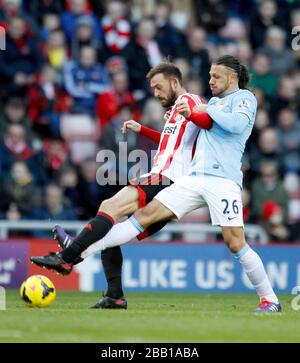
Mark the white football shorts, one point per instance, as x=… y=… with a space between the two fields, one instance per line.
x=222 y=196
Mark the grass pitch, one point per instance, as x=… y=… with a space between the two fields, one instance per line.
x=151 y=317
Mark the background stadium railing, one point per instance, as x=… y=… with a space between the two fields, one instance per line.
x=253 y=232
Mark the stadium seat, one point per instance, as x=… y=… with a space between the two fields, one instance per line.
x=82 y=134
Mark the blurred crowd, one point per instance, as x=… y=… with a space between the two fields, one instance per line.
x=73 y=70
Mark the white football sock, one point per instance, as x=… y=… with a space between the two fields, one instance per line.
x=256 y=273
x=119 y=234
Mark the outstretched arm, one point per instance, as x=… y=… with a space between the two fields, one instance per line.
x=143 y=130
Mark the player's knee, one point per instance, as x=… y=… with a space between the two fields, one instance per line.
x=145 y=216
x=109 y=206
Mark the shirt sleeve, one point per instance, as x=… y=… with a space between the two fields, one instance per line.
x=241 y=114
x=245 y=103
x=151 y=134
x=202 y=119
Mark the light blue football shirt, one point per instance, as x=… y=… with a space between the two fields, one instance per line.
x=219 y=150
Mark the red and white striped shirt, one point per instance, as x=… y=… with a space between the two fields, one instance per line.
x=177 y=141
x=117 y=34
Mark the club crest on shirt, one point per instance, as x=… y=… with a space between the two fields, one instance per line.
x=245 y=104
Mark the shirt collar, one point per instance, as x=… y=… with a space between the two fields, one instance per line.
x=229 y=93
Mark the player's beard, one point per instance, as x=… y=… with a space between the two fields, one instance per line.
x=172 y=96
x=223 y=90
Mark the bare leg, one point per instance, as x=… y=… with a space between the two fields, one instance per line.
x=152 y=213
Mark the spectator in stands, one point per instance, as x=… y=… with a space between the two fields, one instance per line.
x=274 y=223
x=289 y=139
x=15 y=147
x=261 y=20
x=38 y=8
x=262 y=122
x=167 y=36
x=142 y=53
x=211 y=14
x=85 y=80
x=46 y=101
x=233 y=31
x=295 y=17
x=185 y=67
x=55 y=49
x=194 y=85
x=116 y=27
x=15 y=143
x=12 y=214
x=13 y=8
x=196 y=54
x=56 y=156
x=14 y=112
x=68 y=180
x=50 y=23
x=267 y=149
x=244 y=52
x=55 y=207
x=83 y=36
x=21 y=59
x=269 y=202
x=286 y=96
x=109 y=103
x=19 y=190
x=90 y=193
x=78 y=8
x=116 y=64
x=282 y=57
x=262 y=76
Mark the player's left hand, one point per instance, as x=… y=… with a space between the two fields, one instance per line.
x=183 y=108
x=200 y=108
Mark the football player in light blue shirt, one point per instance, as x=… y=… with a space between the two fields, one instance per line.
x=215 y=177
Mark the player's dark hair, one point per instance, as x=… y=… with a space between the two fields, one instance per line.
x=168 y=69
x=233 y=63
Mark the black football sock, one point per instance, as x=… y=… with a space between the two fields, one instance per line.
x=91 y=233
x=112 y=260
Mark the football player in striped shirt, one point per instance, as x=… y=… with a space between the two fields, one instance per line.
x=173 y=158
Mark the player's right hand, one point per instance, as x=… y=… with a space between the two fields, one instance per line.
x=183 y=107
x=131 y=125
